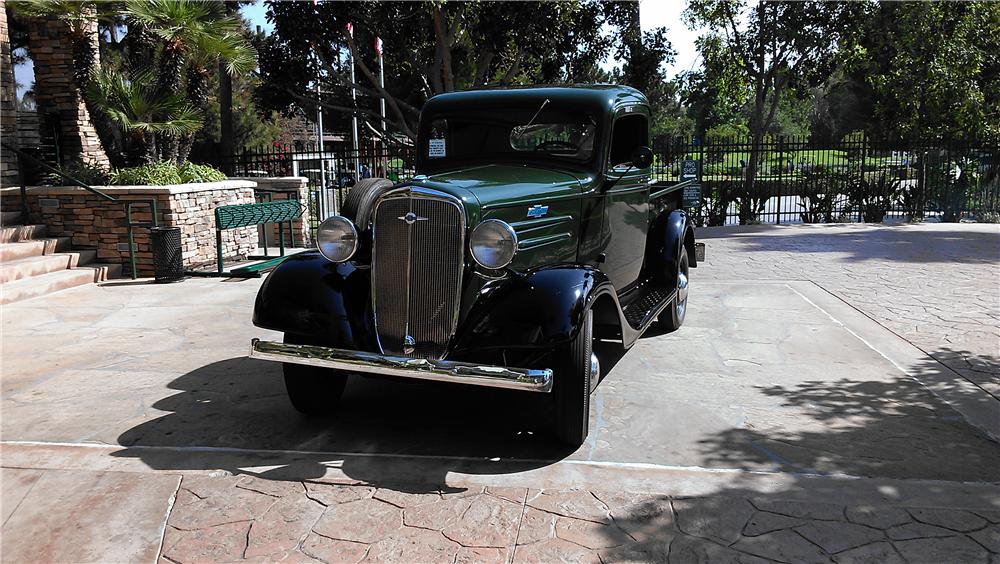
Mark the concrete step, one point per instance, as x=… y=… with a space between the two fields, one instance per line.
x=45 y=284
x=33 y=248
x=36 y=266
x=14 y=233
x=10 y=218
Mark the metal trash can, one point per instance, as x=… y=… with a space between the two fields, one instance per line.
x=168 y=263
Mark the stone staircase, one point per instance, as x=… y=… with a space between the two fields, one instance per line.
x=32 y=264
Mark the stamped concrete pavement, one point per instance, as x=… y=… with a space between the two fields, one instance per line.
x=937 y=285
x=780 y=424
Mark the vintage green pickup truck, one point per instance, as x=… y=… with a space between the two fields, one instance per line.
x=532 y=229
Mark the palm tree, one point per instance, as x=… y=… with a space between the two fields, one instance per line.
x=192 y=31
x=140 y=112
x=237 y=58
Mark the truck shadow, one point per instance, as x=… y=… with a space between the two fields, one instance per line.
x=229 y=413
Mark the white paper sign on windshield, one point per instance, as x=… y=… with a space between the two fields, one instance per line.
x=435 y=148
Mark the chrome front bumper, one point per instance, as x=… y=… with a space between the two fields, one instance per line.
x=425 y=369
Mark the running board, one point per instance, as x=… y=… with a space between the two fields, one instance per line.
x=652 y=299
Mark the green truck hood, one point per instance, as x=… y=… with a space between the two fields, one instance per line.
x=497 y=185
x=542 y=205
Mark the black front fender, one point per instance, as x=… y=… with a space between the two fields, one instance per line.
x=309 y=295
x=539 y=309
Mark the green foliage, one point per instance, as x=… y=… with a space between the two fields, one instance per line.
x=761 y=52
x=933 y=68
x=252 y=127
x=133 y=104
x=90 y=174
x=165 y=173
x=433 y=47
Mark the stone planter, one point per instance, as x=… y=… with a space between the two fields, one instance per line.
x=92 y=222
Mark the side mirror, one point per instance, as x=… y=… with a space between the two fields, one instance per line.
x=642 y=157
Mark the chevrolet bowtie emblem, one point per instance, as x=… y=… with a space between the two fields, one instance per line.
x=410 y=218
x=538 y=210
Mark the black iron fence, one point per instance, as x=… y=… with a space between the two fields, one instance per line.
x=331 y=172
x=796 y=181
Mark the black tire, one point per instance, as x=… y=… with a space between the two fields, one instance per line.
x=313 y=391
x=672 y=317
x=361 y=199
x=571 y=387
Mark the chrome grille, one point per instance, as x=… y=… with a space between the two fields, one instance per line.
x=417 y=272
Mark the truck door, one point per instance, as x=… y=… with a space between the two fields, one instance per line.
x=626 y=218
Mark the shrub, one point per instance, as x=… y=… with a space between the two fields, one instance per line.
x=166 y=173
x=90 y=174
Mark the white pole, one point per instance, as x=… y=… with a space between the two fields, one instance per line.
x=354 y=118
x=322 y=159
x=381 y=81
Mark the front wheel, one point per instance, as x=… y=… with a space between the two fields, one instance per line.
x=312 y=390
x=572 y=385
x=672 y=317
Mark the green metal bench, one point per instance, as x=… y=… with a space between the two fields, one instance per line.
x=248 y=215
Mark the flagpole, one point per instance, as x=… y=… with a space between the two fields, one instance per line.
x=381 y=81
x=354 y=117
x=381 y=78
x=322 y=155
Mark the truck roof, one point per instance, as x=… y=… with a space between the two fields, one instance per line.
x=595 y=97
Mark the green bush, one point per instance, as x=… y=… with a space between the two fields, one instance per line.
x=90 y=174
x=165 y=173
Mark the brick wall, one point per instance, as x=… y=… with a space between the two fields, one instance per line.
x=56 y=94
x=98 y=224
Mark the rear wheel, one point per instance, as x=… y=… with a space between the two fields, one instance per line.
x=672 y=317
x=312 y=390
x=572 y=384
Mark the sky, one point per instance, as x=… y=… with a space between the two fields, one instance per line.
x=652 y=13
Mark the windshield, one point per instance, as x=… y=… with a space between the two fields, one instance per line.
x=509 y=135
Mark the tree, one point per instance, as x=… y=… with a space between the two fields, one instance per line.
x=141 y=112
x=194 y=34
x=774 y=47
x=434 y=47
x=933 y=70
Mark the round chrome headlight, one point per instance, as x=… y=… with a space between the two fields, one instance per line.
x=493 y=244
x=337 y=239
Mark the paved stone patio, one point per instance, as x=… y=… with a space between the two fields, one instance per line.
x=780 y=424
x=225 y=519
x=937 y=285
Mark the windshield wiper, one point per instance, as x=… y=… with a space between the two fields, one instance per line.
x=542 y=107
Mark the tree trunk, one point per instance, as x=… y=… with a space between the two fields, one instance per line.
x=197 y=91
x=443 y=48
x=226 y=114
x=86 y=64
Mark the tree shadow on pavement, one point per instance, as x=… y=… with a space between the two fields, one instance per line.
x=866 y=479
x=892 y=428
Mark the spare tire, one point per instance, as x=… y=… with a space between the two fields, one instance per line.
x=360 y=200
